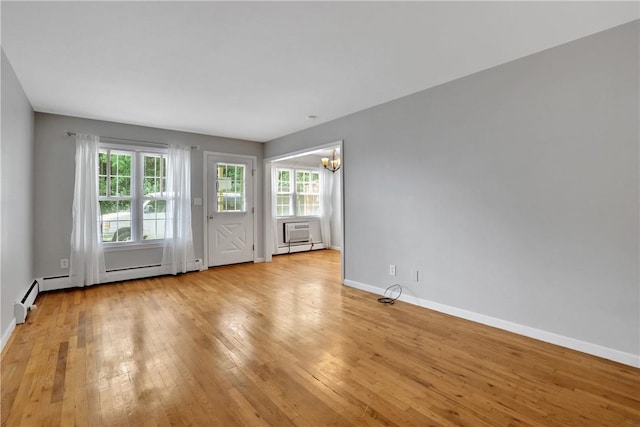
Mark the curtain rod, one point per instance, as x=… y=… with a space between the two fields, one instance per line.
x=160 y=144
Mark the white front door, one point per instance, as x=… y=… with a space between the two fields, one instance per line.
x=230 y=210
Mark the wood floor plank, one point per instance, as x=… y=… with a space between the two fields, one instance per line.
x=285 y=344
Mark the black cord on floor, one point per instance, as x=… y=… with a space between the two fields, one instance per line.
x=387 y=299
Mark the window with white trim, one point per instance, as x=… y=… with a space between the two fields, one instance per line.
x=131 y=193
x=298 y=192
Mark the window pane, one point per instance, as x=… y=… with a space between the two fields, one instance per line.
x=153 y=219
x=149 y=166
x=301 y=182
x=120 y=175
x=149 y=186
x=124 y=164
x=115 y=220
x=120 y=164
x=315 y=183
x=155 y=167
x=102 y=173
x=102 y=163
x=102 y=186
x=283 y=205
x=230 y=188
x=308 y=205
x=120 y=186
x=284 y=181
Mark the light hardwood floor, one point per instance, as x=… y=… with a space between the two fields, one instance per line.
x=286 y=344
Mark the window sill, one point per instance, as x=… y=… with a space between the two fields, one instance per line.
x=114 y=247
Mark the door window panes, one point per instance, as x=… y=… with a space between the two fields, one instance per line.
x=230 y=187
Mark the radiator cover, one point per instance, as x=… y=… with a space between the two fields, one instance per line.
x=22 y=307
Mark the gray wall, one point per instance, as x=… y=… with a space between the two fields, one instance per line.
x=514 y=191
x=16 y=166
x=54 y=178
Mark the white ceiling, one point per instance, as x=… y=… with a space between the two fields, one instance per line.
x=256 y=70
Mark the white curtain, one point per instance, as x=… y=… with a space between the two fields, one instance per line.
x=274 y=208
x=178 y=251
x=86 y=266
x=326 y=184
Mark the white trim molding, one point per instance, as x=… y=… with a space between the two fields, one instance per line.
x=7 y=334
x=267 y=164
x=528 y=331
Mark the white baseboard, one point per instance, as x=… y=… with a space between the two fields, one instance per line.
x=258 y=260
x=528 y=331
x=336 y=248
x=7 y=334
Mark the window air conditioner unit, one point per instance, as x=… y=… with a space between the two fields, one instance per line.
x=296 y=232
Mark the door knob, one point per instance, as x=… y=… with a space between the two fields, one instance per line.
x=210 y=216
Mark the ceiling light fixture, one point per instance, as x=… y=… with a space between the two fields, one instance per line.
x=332 y=164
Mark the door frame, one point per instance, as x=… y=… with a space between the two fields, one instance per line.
x=267 y=165
x=205 y=201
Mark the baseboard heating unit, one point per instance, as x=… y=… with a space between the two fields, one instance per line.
x=22 y=307
x=118 y=275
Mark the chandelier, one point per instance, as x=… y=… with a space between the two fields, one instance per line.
x=332 y=164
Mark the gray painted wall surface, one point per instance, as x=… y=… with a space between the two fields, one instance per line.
x=17 y=201
x=54 y=178
x=514 y=191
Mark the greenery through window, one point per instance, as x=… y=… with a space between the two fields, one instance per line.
x=298 y=192
x=231 y=188
x=131 y=193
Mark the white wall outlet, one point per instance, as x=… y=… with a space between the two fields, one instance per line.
x=64 y=263
x=414 y=275
x=392 y=269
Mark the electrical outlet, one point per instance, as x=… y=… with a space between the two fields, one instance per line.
x=64 y=263
x=392 y=269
